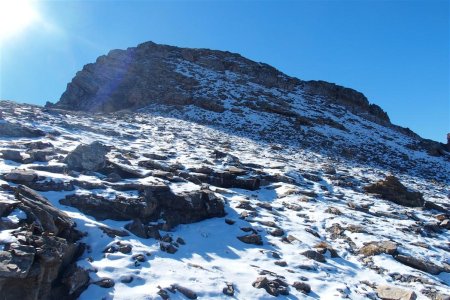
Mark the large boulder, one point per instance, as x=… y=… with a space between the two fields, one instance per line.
x=90 y=157
x=393 y=190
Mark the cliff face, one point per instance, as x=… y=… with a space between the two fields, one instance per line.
x=159 y=74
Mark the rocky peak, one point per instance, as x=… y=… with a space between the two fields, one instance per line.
x=159 y=74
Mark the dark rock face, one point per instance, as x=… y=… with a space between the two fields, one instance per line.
x=133 y=78
x=146 y=74
x=90 y=157
x=41 y=265
x=393 y=190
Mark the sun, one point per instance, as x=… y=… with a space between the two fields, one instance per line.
x=15 y=16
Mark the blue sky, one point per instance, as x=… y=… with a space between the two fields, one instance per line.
x=395 y=52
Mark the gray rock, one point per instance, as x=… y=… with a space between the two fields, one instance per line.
x=90 y=157
x=253 y=238
x=314 y=255
x=21 y=176
x=13 y=155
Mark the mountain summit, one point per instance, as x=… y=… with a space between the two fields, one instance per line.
x=152 y=73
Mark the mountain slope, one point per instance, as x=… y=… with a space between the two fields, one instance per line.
x=234 y=94
x=303 y=222
x=172 y=173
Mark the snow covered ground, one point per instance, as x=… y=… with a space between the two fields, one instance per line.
x=306 y=200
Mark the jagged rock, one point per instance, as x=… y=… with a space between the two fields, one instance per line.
x=419 y=264
x=386 y=292
x=90 y=157
x=41 y=266
x=314 y=255
x=228 y=290
x=274 y=287
x=393 y=190
x=253 y=238
x=375 y=248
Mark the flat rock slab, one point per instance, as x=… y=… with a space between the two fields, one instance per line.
x=386 y=292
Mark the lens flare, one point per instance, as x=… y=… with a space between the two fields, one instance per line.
x=16 y=16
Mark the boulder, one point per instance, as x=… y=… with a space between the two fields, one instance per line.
x=90 y=157
x=302 y=287
x=393 y=190
x=273 y=287
x=386 y=292
x=375 y=248
x=419 y=264
x=314 y=255
x=253 y=238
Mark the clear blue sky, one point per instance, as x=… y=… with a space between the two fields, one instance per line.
x=395 y=52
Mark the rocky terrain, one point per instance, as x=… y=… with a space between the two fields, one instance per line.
x=171 y=173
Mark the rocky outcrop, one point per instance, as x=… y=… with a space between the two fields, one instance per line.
x=351 y=99
x=38 y=263
x=151 y=205
x=146 y=74
x=393 y=190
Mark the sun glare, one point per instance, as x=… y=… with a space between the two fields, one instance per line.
x=15 y=16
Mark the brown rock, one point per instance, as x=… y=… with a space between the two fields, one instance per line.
x=394 y=293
